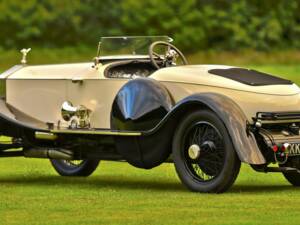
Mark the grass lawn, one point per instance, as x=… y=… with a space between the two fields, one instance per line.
x=31 y=193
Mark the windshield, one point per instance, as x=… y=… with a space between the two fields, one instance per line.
x=133 y=45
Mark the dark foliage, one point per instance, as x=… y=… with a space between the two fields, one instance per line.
x=194 y=24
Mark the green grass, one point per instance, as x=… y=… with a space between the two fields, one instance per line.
x=31 y=193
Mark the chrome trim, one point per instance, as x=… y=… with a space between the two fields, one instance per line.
x=24 y=52
x=194 y=151
x=279 y=121
x=78 y=117
x=10 y=71
x=45 y=136
x=68 y=110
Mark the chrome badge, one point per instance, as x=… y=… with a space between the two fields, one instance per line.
x=24 y=52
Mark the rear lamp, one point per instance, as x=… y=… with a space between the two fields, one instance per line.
x=285 y=147
x=275 y=148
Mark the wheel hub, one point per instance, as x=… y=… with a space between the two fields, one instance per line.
x=208 y=146
x=194 y=151
x=205 y=151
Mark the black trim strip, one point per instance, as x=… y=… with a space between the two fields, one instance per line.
x=277 y=116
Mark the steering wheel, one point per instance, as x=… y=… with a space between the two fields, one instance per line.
x=172 y=54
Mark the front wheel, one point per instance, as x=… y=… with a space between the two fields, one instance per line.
x=203 y=153
x=81 y=168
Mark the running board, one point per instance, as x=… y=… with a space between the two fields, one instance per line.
x=53 y=134
x=96 y=132
x=282 y=169
x=276 y=170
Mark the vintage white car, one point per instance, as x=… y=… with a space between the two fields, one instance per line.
x=140 y=102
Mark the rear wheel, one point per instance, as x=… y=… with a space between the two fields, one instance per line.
x=75 y=167
x=204 y=157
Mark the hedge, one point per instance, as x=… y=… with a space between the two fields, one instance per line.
x=194 y=24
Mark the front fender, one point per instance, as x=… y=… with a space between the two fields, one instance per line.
x=233 y=118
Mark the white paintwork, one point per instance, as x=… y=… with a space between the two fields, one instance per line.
x=39 y=91
x=60 y=71
x=198 y=74
x=41 y=99
x=187 y=80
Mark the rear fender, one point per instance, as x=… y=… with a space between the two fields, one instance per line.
x=232 y=116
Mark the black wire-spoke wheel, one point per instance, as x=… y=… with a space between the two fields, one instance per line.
x=75 y=167
x=203 y=154
x=210 y=160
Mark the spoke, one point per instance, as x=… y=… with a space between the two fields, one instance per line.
x=157 y=55
x=195 y=136
x=203 y=134
x=211 y=161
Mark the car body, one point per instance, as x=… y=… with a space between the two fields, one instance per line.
x=147 y=110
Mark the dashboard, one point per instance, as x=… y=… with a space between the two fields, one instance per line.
x=130 y=70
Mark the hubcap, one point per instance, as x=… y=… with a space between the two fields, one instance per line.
x=194 y=151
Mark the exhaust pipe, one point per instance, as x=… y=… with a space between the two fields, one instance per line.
x=48 y=153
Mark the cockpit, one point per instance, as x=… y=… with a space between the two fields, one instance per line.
x=137 y=56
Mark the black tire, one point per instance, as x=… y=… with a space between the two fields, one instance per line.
x=81 y=168
x=218 y=162
x=292 y=177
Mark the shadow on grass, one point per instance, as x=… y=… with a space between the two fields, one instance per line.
x=261 y=188
x=120 y=183
x=127 y=183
